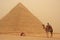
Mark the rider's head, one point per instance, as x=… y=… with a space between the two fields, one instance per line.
x=47 y=23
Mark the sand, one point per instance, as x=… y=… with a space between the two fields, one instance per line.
x=36 y=37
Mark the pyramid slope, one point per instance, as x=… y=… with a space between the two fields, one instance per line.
x=19 y=19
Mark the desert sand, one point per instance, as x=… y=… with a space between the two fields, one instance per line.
x=35 y=37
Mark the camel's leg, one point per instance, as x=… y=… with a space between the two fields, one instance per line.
x=51 y=34
x=47 y=34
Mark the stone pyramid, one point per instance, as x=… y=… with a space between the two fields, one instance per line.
x=20 y=19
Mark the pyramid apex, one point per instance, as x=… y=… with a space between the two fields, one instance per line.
x=19 y=4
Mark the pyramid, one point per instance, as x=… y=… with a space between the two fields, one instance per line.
x=20 y=19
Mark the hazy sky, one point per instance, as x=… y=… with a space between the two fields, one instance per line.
x=44 y=10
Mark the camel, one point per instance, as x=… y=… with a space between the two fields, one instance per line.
x=48 y=29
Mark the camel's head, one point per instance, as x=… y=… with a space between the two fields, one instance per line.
x=43 y=26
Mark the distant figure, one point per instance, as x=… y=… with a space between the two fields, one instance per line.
x=48 y=29
x=22 y=34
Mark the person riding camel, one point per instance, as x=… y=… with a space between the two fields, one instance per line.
x=48 y=28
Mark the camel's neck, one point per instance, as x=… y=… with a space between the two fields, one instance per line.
x=43 y=26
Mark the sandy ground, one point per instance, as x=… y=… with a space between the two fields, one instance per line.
x=36 y=37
